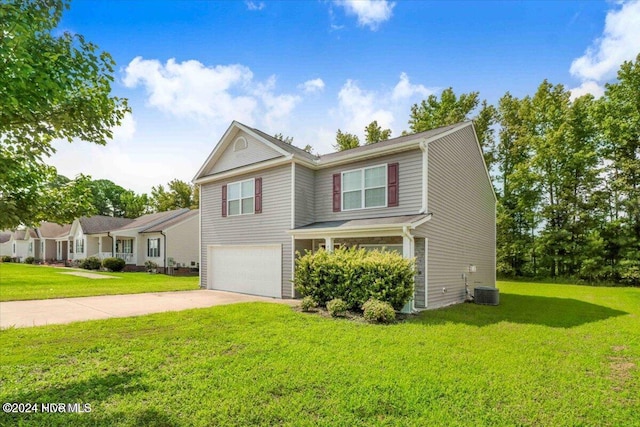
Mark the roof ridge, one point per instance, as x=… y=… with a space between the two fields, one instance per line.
x=177 y=213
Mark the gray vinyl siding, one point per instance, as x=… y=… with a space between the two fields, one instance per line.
x=305 y=200
x=410 y=188
x=462 y=229
x=256 y=151
x=268 y=227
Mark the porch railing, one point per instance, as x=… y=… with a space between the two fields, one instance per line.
x=128 y=258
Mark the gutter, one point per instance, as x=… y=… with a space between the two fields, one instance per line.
x=166 y=268
x=424 y=147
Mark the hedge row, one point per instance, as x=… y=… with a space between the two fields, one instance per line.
x=354 y=276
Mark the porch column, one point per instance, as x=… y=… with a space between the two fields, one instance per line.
x=328 y=244
x=408 y=247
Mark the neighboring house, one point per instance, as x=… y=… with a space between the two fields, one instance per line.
x=169 y=239
x=90 y=237
x=428 y=196
x=22 y=244
x=5 y=245
x=47 y=246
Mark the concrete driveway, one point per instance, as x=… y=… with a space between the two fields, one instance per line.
x=22 y=314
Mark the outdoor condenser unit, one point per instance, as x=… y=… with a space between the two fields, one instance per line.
x=486 y=295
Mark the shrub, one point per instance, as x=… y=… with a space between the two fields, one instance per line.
x=336 y=307
x=29 y=260
x=308 y=303
x=378 y=311
x=355 y=276
x=6 y=258
x=113 y=264
x=91 y=263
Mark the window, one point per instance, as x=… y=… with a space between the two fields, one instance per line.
x=240 y=197
x=153 y=248
x=79 y=245
x=364 y=188
x=30 y=247
x=124 y=246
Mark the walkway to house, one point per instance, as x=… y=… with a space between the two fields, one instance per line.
x=23 y=314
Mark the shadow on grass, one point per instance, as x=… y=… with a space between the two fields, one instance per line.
x=525 y=309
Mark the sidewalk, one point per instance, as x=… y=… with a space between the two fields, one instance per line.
x=22 y=314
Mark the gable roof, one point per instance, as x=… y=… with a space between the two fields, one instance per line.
x=5 y=236
x=51 y=229
x=151 y=220
x=101 y=224
x=170 y=222
x=287 y=147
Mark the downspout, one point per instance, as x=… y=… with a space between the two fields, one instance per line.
x=407 y=234
x=166 y=269
x=113 y=251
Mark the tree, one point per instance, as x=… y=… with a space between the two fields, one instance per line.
x=346 y=141
x=285 y=139
x=134 y=205
x=51 y=87
x=179 y=194
x=106 y=198
x=450 y=109
x=374 y=133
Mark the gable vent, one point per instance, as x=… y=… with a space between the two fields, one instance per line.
x=240 y=144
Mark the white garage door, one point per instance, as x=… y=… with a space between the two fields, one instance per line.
x=250 y=269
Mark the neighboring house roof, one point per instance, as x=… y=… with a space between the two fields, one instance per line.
x=150 y=220
x=5 y=236
x=20 y=235
x=49 y=230
x=171 y=222
x=101 y=224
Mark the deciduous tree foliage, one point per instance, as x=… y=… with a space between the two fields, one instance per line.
x=346 y=141
x=179 y=194
x=51 y=87
x=374 y=133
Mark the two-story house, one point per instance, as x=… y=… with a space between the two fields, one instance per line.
x=427 y=196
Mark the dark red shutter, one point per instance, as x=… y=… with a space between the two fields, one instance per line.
x=258 y=188
x=392 y=185
x=336 y=192
x=224 y=200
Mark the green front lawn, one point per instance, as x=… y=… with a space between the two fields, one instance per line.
x=548 y=355
x=26 y=282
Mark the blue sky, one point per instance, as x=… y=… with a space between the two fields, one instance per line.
x=308 y=68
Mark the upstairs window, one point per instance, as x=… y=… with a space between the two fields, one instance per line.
x=240 y=197
x=364 y=188
x=79 y=245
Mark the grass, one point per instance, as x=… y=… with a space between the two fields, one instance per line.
x=27 y=282
x=556 y=355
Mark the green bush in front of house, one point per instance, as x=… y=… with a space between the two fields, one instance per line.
x=375 y=311
x=29 y=260
x=354 y=276
x=6 y=258
x=91 y=263
x=113 y=264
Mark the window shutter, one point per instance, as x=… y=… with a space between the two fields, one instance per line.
x=258 y=199
x=148 y=247
x=224 y=200
x=392 y=185
x=336 y=192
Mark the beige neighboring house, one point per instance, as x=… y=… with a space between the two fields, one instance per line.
x=427 y=196
x=22 y=244
x=46 y=246
x=168 y=239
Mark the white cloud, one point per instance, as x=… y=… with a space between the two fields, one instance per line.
x=620 y=42
x=404 y=89
x=126 y=130
x=312 y=86
x=587 y=87
x=221 y=93
x=370 y=13
x=255 y=6
x=358 y=108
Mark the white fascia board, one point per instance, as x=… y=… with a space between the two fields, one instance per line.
x=395 y=229
x=215 y=150
x=245 y=169
x=475 y=135
x=366 y=155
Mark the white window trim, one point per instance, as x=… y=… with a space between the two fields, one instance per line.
x=253 y=196
x=157 y=248
x=363 y=188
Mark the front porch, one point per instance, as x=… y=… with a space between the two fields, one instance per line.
x=397 y=234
